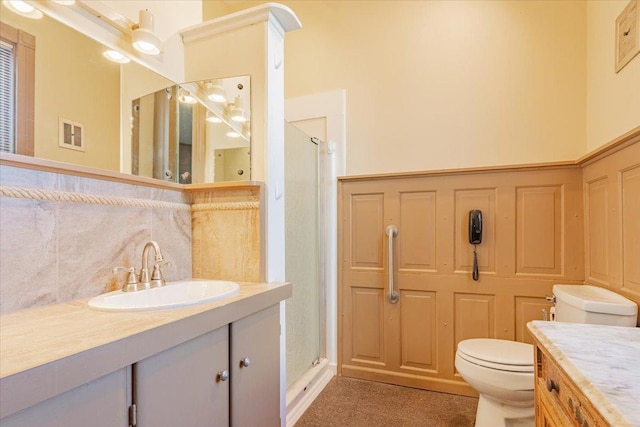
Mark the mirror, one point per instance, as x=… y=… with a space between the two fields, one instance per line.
x=193 y=132
x=84 y=105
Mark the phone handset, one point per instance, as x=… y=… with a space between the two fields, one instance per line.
x=475 y=237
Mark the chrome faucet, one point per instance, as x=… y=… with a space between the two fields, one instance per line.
x=135 y=282
x=156 y=276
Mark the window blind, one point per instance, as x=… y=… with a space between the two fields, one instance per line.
x=7 y=98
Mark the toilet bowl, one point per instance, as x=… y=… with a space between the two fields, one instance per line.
x=502 y=371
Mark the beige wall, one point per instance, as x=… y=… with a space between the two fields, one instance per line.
x=613 y=99
x=433 y=85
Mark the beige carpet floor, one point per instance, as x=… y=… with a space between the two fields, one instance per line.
x=347 y=402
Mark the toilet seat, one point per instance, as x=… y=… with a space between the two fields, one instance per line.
x=501 y=355
x=498 y=383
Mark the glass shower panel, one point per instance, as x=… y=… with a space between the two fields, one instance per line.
x=302 y=252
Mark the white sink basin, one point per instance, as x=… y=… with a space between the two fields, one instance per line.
x=173 y=294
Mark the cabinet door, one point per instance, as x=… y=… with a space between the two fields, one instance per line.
x=103 y=402
x=255 y=389
x=549 y=413
x=180 y=387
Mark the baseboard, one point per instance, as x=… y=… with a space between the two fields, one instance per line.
x=304 y=391
x=442 y=385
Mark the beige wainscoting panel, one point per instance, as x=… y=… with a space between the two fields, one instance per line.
x=475 y=316
x=612 y=231
x=539 y=228
x=227 y=236
x=367 y=211
x=597 y=230
x=417 y=250
x=630 y=193
x=527 y=309
x=413 y=342
x=465 y=201
x=418 y=333
x=368 y=326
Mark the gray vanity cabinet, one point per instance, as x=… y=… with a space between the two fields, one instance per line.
x=181 y=386
x=230 y=376
x=206 y=366
x=103 y=402
x=255 y=389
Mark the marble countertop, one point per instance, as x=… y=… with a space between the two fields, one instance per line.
x=603 y=361
x=47 y=350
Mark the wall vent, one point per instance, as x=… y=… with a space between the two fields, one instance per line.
x=71 y=134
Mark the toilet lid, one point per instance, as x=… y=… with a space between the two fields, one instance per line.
x=498 y=354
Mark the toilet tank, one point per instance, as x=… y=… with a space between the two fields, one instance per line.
x=591 y=304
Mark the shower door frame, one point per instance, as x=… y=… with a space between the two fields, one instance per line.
x=330 y=106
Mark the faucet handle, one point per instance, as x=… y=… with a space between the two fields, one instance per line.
x=132 y=279
x=156 y=277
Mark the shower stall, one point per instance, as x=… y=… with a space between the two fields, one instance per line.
x=304 y=254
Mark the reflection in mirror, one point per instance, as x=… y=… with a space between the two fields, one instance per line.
x=193 y=132
x=81 y=110
x=71 y=83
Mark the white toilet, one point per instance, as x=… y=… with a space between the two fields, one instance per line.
x=501 y=371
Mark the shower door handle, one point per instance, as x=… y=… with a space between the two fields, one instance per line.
x=392 y=296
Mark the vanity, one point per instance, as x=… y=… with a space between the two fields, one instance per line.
x=586 y=375
x=214 y=363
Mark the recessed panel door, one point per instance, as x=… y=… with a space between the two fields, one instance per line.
x=363 y=268
x=389 y=307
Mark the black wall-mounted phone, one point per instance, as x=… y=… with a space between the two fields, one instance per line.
x=475 y=227
x=475 y=238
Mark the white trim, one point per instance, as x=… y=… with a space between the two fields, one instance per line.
x=283 y=17
x=274 y=180
x=332 y=107
x=303 y=392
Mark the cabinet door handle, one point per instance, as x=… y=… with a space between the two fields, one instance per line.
x=552 y=385
x=222 y=376
x=245 y=362
x=578 y=416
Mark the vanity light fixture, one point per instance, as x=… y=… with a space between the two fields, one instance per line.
x=216 y=92
x=65 y=2
x=143 y=38
x=22 y=8
x=236 y=112
x=212 y=118
x=115 y=56
x=233 y=134
x=185 y=97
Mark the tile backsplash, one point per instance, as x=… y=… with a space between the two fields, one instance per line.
x=61 y=235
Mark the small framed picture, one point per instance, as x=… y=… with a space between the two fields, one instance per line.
x=627 y=34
